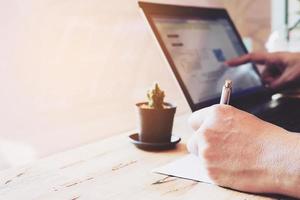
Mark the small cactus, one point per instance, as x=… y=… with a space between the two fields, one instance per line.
x=156 y=97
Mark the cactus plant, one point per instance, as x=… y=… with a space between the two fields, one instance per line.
x=155 y=118
x=156 y=97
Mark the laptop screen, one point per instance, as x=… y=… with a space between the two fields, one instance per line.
x=196 y=46
x=199 y=48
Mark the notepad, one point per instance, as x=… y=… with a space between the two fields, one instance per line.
x=187 y=167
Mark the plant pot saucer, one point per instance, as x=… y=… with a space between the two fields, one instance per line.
x=134 y=138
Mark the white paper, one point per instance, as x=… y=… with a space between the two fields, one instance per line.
x=187 y=167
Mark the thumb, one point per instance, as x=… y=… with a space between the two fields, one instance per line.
x=279 y=82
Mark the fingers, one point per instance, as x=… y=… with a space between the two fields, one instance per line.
x=197 y=143
x=258 y=57
x=198 y=117
x=195 y=121
x=192 y=145
x=279 y=82
x=201 y=120
x=209 y=115
x=274 y=78
x=267 y=76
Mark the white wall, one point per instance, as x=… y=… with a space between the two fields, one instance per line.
x=71 y=72
x=278 y=15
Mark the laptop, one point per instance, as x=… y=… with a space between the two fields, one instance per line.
x=196 y=41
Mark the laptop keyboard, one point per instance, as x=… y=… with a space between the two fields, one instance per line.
x=286 y=114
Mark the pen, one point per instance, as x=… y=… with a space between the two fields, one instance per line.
x=226 y=91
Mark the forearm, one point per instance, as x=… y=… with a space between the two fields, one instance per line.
x=289 y=174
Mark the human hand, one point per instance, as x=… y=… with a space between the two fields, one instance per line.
x=241 y=151
x=280 y=68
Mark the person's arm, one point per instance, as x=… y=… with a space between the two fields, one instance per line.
x=289 y=183
x=245 y=153
x=280 y=69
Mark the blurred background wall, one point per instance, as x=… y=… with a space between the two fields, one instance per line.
x=72 y=71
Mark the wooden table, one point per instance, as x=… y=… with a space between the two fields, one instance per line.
x=108 y=169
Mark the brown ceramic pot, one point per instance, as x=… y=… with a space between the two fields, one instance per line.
x=155 y=125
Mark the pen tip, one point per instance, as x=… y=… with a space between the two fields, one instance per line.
x=228 y=83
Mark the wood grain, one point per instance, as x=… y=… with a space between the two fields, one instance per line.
x=110 y=169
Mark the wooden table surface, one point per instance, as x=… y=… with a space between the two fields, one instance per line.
x=108 y=169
